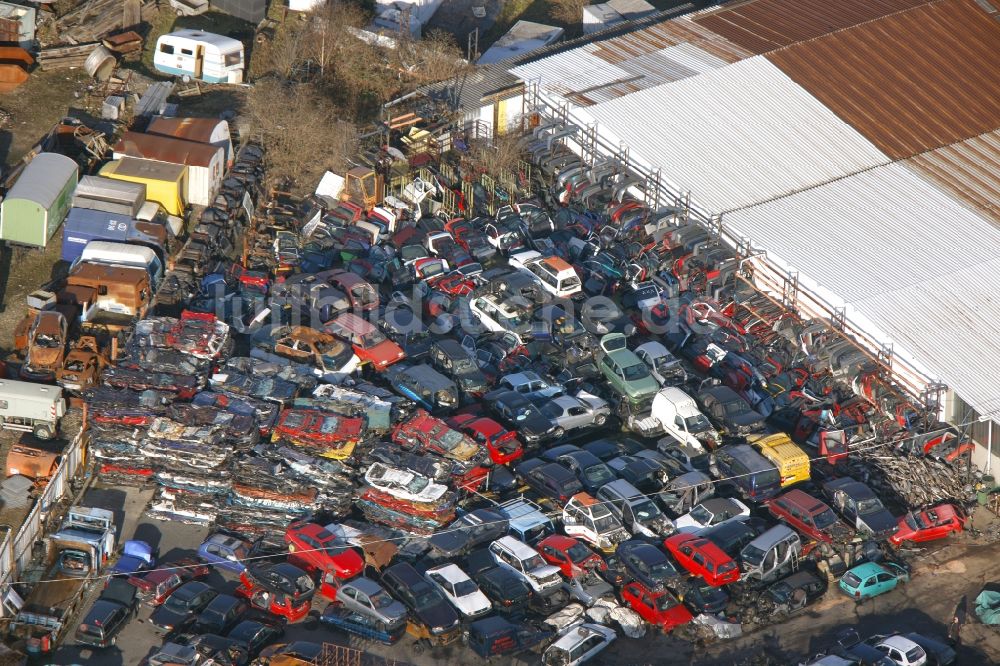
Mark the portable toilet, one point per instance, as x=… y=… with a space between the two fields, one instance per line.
x=212 y=131
x=200 y=55
x=37 y=203
x=206 y=164
x=165 y=183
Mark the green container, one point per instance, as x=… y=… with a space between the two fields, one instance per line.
x=38 y=202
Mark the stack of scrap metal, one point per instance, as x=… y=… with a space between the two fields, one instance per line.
x=406 y=500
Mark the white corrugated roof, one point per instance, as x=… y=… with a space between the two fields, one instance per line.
x=738 y=135
x=922 y=267
x=570 y=71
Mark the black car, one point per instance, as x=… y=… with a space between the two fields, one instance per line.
x=255 y=635
x=729 y=412
x=220 y=615
x=550 y=480
x=645 y=474
x=181 y=607
x=469 y=530
x=860 y=507
x=402 y=326
x=425 y=601
x=589 y=469
x=451 y=358
x=507 y=591
x=496 y=637
x=796 y=591
x=109 y=614
x=606 y=448
x=220 y=650
x=517 y=412
x=647 y=564
x=699 y=597
x=732 y=535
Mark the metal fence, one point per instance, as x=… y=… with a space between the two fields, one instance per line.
x=16 y=548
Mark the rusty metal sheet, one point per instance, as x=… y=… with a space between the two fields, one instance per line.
x=910 y=82
x=761 y=26
x=166 y=149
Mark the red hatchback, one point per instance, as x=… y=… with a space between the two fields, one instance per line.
x=660 y=607
x=503 y=445
x=313 y=548
x=809 y=516
x=703 y=558
x=368 y=342
x=928 y=525
x=571 y=556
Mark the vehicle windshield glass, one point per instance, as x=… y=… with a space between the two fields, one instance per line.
x=425 y=596
x=178 y=602
x=381 y=599
x=450 y=439
x=645 y=511
x=533 y=562
x=665 y=602
x=736 y=408
x=598 y=475
x=769 y=477
x=753 y=555
x=464 y=365
x=465 y=587
x=870 y=505
x=662 y=569
x=417 y=483
x=330 y=425
x=825 y=519
x=915 y=655
x=697 y=423
x=911 y=522
x=47 y=341
x=511 y=321
x=372 y=338
x=432 y=268
x=578 y=552
x=636 y=372
x=701 y=515
x=571 y=282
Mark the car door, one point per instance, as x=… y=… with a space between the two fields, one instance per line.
x=885 y=582
x=577 y=416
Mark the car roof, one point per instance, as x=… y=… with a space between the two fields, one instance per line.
x=404 y=573
x=717 y=504
x=901 y=643
x=804 y=501
x=867 y=569
x=451 y=572
x=366 y=585
x=354 y=323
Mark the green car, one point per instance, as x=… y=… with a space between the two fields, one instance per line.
x=627 y=373
x=870 y=579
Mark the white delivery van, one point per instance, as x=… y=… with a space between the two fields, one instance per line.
x=34 y=408
x=124 y=254
x=680 y=417
x=200 y=55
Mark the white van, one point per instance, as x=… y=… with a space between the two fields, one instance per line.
x=29 y=407
x=124 y=254
x=680 y=417
x=200 y=55
x=554 y=274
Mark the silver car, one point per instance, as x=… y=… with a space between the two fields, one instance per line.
x=580 y=411
x=370 y=599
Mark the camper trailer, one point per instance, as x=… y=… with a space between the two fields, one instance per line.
x=199 y=55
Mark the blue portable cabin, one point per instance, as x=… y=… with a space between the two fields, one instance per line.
x=83 y=225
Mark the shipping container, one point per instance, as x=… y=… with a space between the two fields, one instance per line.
x=38 y=202
x=83 y=226
x=110 y=195
x=212 y=131
x=206 y=164
x=165 y=183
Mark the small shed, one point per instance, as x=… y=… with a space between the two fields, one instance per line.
x=524 y=37
x=606 y=14
x=17 y=25
x=212 y=131
x=109 y=195
x=206 y=164
x=37 y=203
x=165 y=183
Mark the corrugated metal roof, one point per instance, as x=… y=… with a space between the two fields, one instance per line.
x=970 y=170
x=910 y=82
x=44 y=178
x=191 y=129
x=738 y=135
x=764 y=25
x=468 y=92
x=167 y=149
x=915 y=262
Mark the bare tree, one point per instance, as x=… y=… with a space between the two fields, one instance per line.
x=569 y=12
x=502 y=154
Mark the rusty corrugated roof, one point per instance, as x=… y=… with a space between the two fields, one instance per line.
x=969 y=170
x=765 y=25
x=192 y=129
x=166 y=149
x=910 y=82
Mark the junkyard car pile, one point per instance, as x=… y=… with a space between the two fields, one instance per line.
x=445 y=399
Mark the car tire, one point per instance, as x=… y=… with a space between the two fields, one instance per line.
x=558 y=433
x=600 y=419
x=42 y=432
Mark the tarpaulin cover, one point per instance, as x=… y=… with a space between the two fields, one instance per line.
x=988 y=606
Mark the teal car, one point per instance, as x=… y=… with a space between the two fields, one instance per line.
x=870 y=579
x=627 y=373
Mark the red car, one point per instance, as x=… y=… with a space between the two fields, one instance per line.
x=809 y=516
x=368 y=342
x=929 y=524
x=315 y=549
x=703 y=558
x=363 y=296
x=502 y=444
x=280 y=589
x=660 y=608
x=315 y=429
x=569 y=555
x=452 y=284
x=155 y=586
x=424 y=433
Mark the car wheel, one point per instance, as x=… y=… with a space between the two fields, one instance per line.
x=558 y=432
x=600 y=419
x=42 y=432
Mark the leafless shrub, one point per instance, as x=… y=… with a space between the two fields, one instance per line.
x=569 y=12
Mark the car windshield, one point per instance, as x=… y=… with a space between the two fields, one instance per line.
x=915 y=655
x=551 y=410
x=372 y=338
x=464 y=365
x=665 y=362
x=570 y=283
x=753 y=555
x=417 y=484
x=646 y=511
x=381 y=599
x=736 y=408
x=662 y=569
x=636 y=372
x=825 y=519
x=701 y=515
x=450 y=439
x=870 y=505
x=509 y=321
x=665 y=602
x=533 y=562
x=465 y=588
x=911 y=522
x=425 y=596
x=179 y=602
x=432 y=268
x=330 y=425
x=578 y=552
x=769 y=477
x=598 y=475
x=697 y=423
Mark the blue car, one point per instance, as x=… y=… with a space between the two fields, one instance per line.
x=224 y=551
x=137 y=556
x=362 y=625
x=871 y=579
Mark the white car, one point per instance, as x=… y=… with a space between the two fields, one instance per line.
x=497 y=316
x=460 y=591
x=577 y=644
x=525 y=561
x=710 y=513
x=902 y=651
x=403 y=484
x=664 y=366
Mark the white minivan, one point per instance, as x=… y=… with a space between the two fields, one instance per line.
x=680 y=417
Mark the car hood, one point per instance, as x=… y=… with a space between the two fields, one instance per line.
x=164 y=617
x=440 y=616
x=880 y=522
x=386 y=351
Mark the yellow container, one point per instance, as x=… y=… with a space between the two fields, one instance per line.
x=165 y=183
